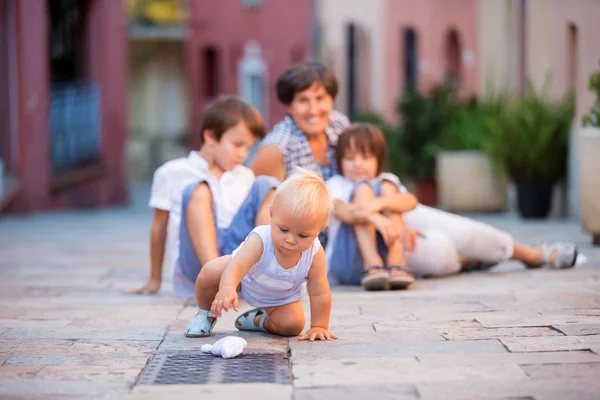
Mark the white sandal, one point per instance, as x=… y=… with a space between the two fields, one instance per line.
x=566 y=255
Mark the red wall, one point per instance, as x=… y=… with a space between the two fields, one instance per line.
x=283 y=29
x=106 y=39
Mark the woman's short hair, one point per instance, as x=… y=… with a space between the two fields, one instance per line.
x=302 y=76
x=365 y=138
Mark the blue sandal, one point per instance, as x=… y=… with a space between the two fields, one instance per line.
x=245 y=322
x=200 y=325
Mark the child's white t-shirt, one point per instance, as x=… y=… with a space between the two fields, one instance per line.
x=267 y=284
x=172 y=177
x=340 y=188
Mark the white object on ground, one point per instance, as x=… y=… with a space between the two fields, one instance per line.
x=227 y=347
x=581 y=259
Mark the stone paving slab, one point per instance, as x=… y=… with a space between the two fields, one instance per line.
x=578 y=329
x=563 y=371
x=365 y=391
x=382 y=370
x=218 y=392
x=553 y=389
x=66 y=331
x=58 y=388
x=551 y=357
x=554 y=343
x=491 y=333
x=81 y=333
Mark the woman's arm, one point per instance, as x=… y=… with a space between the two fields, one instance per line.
x=269 y=161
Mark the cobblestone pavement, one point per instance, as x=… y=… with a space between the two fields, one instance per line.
x=66 y=331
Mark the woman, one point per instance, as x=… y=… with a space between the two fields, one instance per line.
x=307 y=137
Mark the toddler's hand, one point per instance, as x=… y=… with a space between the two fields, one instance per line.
x=224 y=298
x=318 y=334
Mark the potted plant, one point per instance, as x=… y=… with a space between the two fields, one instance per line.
x=422 y=120
x=590 y=163
x=530 y=144
x=467 y=181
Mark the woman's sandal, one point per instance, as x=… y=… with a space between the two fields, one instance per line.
x=245 y=322
x=399 y=282
x=375 y=280
x=201 y=325
x=565 y=255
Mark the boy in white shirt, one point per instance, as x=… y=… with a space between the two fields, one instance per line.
x=229 y=128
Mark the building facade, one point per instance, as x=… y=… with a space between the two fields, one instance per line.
x=178 y=65
x=381 y=48
x=240 y=47
x=63 y=127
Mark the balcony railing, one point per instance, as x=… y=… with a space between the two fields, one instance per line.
x=75 y=126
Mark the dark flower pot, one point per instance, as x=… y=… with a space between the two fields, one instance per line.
x=534 y=200
x=426 y=191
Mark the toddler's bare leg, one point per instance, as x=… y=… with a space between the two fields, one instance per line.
x=286 y=320
x=207 y=283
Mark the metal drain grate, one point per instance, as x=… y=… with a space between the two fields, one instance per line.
x=195 y=368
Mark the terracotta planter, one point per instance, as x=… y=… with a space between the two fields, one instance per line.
x=468 y=183
x=426 y=191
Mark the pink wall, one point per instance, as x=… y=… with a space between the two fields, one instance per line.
x=432 y=20
x=106 y=43
x=282 y=28
x=586 y=18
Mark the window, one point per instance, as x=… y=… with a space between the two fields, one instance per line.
x=351 y=61
x=572 y=57
x=453 y=51
x=210 y=67
x=252 y=3
x=410 y=58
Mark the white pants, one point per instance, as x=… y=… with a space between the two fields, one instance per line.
x=448 y=237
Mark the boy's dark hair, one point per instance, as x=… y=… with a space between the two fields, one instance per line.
x=301 y=76
x=365 y=138
x=226 y=112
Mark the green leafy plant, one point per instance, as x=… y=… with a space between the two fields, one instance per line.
x=470 y=123
x=396 y=156
x=593 y=117
x=423 y=119
x=529 y=142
